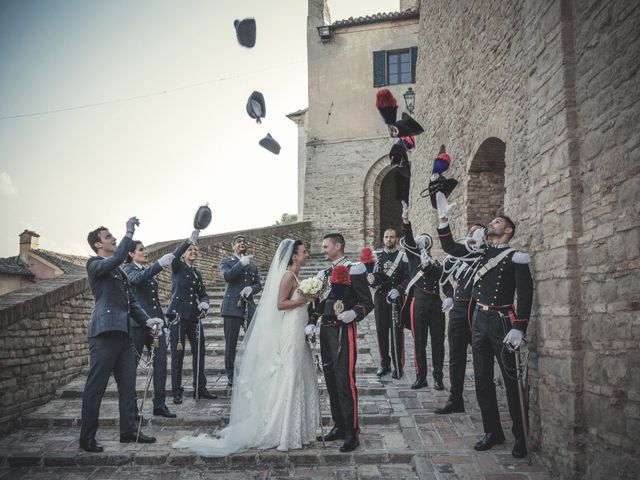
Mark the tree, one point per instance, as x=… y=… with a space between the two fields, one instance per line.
x=287 y=218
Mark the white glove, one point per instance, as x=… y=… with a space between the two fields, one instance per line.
x=478 y=236
x=203 y=306
x=310 y=330
x=132 y=223
x=246 y=291
x=347 y=317
x=153 y=322
x=245 y=259
x=165 y=260
x=444 y=207
x=393 y=294
x=166 y=332
x=405 y=210
x=194 y=236
x=447 y=304
x=514 y=337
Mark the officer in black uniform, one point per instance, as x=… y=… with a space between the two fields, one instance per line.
x=338 y=346
x=423 y=310
x=189 y=300
x=145 y=286
x=502 y=272
x=110 y=346
x=459 y=328
x=390 y=277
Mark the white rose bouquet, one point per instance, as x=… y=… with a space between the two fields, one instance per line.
x=311 y=287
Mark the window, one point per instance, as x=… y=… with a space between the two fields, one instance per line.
x=393 y=67
x=398 y=67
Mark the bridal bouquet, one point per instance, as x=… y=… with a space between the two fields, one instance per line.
x=311 y=287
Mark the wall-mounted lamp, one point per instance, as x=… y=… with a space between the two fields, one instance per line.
x=410 y=100
x=325 y=33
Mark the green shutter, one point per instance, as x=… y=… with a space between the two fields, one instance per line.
x=414 y=60
x=379 y=68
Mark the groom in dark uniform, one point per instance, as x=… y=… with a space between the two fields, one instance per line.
x=338 y=342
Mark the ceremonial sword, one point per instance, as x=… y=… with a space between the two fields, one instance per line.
x=319 y=374
x=154 y=344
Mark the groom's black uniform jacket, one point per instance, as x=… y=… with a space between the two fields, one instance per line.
x=339 y=348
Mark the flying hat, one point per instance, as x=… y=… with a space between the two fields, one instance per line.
x=256 y=107
x=387 y=105
x=246 y=32
x=270 y=144
x=405 y=127
x=202 y=218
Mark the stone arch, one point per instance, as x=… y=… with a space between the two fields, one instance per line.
x=372 y=188
x=486 y=185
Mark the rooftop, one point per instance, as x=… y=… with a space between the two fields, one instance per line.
x=378 y=17
x=13 y=266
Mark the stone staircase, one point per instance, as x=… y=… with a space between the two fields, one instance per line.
x=400 y=438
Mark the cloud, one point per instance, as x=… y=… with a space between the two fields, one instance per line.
x=6 y=185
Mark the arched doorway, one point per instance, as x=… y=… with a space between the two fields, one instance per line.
x=390 y=208
x=485 y=190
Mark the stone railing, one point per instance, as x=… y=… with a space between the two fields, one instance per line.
x=43 y=343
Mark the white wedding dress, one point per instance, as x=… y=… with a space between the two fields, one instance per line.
x=275 y=393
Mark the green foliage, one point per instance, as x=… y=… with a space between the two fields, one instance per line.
x=287 y=218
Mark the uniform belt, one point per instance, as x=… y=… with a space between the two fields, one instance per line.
x=462 y=300
x=330 y=322
x=482 y=306
x=427 y=292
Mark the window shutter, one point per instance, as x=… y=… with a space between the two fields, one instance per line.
x=414 y=60
x=379 y=68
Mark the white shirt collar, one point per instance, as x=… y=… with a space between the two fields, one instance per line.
x=502 y=245
x=390 y=250
x=338 y=261
x=138 y=265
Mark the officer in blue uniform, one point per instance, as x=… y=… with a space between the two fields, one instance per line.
x=110 y=346
x=189 y=301
x=143 y=280
x=242 y=283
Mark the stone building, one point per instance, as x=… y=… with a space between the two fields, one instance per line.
x=538 y=104
x=343 y=161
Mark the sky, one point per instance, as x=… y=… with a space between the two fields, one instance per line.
x=169 y=131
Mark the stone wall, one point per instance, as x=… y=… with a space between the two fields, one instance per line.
x=43 y=343
x=557 y=82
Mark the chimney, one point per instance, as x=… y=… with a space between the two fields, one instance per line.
x=28 y=241
x=409 y=4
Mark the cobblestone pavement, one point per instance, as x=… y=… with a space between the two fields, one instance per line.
x=401 y=436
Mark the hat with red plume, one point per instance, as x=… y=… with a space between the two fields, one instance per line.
x=387 y=105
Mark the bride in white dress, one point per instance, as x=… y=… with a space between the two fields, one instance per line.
x=275 y=393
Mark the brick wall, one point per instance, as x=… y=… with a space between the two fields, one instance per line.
x=557 y=82
x=44 y=326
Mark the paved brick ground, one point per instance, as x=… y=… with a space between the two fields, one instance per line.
x=401 y=436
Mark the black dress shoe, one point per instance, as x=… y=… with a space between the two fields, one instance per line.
x=519 y=449
x=439 y=385
x=205 y=394
x=382 y=371
x=91 y=445
x=350 y=444
x=419 y=383
x=450 y=407
x=177 y=398
x=334 y=434
x=163 y=411
x=489 y=440
x=131 y=438
x=397 y=374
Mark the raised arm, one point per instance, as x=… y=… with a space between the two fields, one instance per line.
x=230 y=272
x=138 y=276
x=449 y=245
x=98 y=266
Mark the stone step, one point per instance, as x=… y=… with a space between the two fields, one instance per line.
x=210 y=413
x=217 y=348
x=187 y=371
x=367 y=386
x=58 y=447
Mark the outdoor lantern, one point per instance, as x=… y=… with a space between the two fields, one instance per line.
x=410 y=100
x=325 y=33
